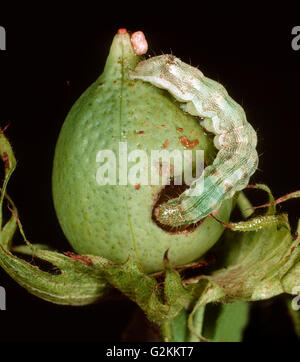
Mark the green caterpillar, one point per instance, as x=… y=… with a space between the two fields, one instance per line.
x=235 y=138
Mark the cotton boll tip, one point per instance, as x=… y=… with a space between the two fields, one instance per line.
x=122 y=31
x=139 y=43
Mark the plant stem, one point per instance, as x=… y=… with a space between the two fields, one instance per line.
x=198 y=325
x=244 y=205
x=166 y=331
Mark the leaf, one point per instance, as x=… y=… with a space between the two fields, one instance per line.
x=179 y=326
x=291 y=281
x=250 y=266
x=27 y=250
x=8 y=158
x=160 y=304
x=225 y=322
x=73 y=283
x=255 y=263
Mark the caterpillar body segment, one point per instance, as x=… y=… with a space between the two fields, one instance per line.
x=235 y=138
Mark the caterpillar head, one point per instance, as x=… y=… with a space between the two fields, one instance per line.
x=167 y=214
x=172 y=213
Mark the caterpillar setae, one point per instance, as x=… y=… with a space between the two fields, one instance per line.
x=235 y=138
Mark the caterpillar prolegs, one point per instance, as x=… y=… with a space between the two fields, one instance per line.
x=235 y=138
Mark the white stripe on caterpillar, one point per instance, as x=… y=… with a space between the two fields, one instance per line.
x=235 y=138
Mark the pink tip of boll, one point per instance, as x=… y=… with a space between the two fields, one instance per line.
x=122 y=31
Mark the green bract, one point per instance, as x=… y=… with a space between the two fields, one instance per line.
x=114 y=221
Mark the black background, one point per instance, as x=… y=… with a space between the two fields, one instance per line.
x=53 y=56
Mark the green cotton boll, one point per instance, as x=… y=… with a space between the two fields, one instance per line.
x=115 y=221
